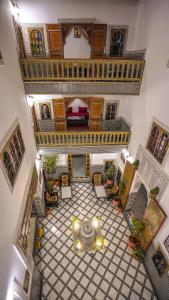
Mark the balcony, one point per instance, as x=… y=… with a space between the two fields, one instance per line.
x=107 y=76
x=112 y=134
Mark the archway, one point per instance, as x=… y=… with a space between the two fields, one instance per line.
x=77 y=113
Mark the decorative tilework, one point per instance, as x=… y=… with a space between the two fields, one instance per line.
x=109 y=274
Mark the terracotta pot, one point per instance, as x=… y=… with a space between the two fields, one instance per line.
x=131 y=243
x=109 y=181
x=119 y=209
x=115 y=202
x=152 y=196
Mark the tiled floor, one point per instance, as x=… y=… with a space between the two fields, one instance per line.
x=109 y=274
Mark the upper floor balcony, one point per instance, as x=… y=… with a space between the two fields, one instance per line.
x=71 y=76
x=71 y=57
x=110 y=134
x=106 y=70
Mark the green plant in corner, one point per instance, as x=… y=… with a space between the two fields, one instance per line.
x=154 y=192
x=138 y=252
x=135 y=164
x=111 y=171
x=138 y=226
x=49 y=162
x=122 y=187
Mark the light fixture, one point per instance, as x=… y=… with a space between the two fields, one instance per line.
x=30 y=100
x=15 y=9
x=53 y=229
x=78 y=245
x=99 y=242
x=95 y=222
x=75 y=223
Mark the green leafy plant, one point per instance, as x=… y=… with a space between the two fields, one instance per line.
x=111 y=171
x=138 y=226
x=155 y=191
x=138 y=252
x=122 y=186
x=49 y=162
x=49 y=185
x=135 y=164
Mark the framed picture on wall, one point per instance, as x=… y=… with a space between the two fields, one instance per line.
x=160 y=262
x=111 y=111
x=166 y=243
x=45 y=111
x=117 y=41
x=77 y=33
x=158 y=142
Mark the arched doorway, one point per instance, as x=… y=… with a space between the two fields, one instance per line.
x=139 y=203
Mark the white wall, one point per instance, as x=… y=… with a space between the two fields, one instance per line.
x=153 y=104
x=76 y=47
x=76 y=104
x=99 y=158
x=110 y=12
x=123 y=109
x=13 y=106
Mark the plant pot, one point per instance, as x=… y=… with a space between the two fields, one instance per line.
x=152 y=196
x=119 y=209
x=132 y=242
x=109 y=181
x=115 y=202
x=137 y=257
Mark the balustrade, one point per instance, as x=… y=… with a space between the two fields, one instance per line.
x=41 y=69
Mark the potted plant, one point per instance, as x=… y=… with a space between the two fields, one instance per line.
x=154 y=192
x=122 y=187
x=138 y=226
x=115 y=200
x=49 y=163
x=110 y=173
x=138 y=253
x=135 y=164
x=119 y=207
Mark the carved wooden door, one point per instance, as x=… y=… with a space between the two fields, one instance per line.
x=59 y=113
x=96 y=112
x=153 y=218
x=55 y=40
x=128 y=176
x=99 y=32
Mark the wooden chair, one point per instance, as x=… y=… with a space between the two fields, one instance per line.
x=98 y=185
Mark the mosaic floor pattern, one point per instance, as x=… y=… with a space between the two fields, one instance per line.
x=109 y=274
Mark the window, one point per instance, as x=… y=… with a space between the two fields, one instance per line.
x=117 y=41
x=158 y=142
x=12 y=154
x=111 y=111
x=36 y=41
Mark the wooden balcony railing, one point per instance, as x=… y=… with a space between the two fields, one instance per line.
x=92 y=138
x=40 y=69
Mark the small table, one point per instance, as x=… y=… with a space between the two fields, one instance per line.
x=66 y=192
x=100 y=191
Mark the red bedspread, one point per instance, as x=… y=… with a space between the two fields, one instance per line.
x=77 y=114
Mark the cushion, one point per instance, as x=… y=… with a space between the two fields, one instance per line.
x=69 y=109
x=82 y=109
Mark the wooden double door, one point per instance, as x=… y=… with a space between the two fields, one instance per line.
x=95 y=113
x=95 y=34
